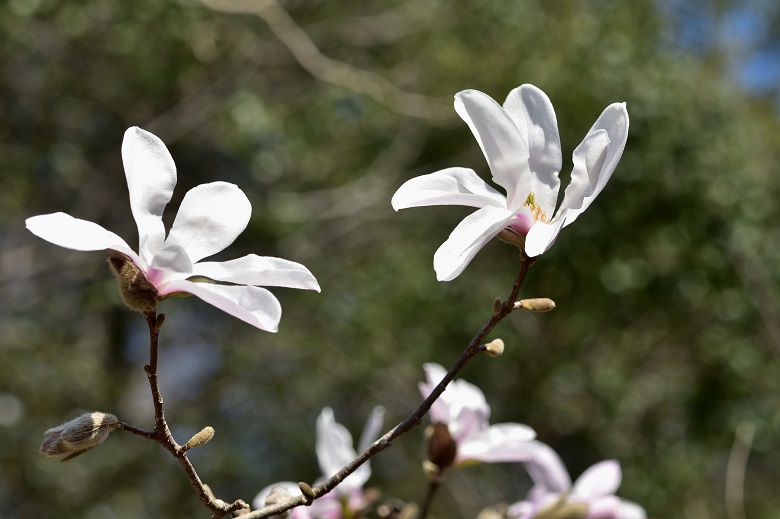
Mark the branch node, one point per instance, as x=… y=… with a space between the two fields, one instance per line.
x=159 y=322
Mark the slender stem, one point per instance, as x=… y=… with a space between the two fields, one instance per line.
x=433 y=486
x=162 y=433
x=475 y=346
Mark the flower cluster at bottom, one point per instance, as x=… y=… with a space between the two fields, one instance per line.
x=460 y=435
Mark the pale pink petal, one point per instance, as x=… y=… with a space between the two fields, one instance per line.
x=502 y=144
x=506 y=442
x=630 y=510
x=467 y=239
x=254 y=305
x=604 y=507
x=440 y=411
x=451 y=186
x=259 y=500
x=335 y=449
x=151 y=177
x=533 y=113
x=372 y=428
x=210 y=218
x=593 y=166
x=602 y=479
x=73 y=233
x=546 y=469
x=258 y=270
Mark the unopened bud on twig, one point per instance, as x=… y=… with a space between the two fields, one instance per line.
x=539 y=304
x=498 y=305
x=199 y=439
x=442 y=450
x=495 y=347
x=307 y=491
x=78 y=435
x=136 y=291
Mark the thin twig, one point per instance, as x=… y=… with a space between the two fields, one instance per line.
x=162 y=433
x=474 y=347
x=433 y=486
x=735 y=470
x=331 y=71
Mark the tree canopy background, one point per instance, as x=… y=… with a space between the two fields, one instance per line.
x=667 y=332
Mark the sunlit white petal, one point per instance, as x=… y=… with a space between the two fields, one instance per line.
x=73 y=233
x=452 y=186
x=258 y=270
x=151 y=177
x=210 y=218
x=467 y=239
x=533 y=113
x=254 y=305
x=335 y=449
x=502 y=144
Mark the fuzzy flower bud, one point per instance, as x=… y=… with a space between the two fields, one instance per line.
x=136 y=291
x=199 y=439
x=442 y=448
x=78 y=435
x=495 y=347
x=539 y=304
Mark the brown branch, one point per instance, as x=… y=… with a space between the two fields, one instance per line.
x=331 y=71
x=162 y=433
x=500 y=310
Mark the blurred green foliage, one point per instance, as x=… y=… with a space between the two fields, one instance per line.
x=667 y=332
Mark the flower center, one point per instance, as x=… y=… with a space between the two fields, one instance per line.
x=536 y=210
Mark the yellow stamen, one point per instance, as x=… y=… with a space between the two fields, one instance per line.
x=536 y=211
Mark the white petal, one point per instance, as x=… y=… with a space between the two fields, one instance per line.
x=533 y=113
x=434 y=373
x=541 y=236
x=451 y=186
x=546 y=469
x=73 y=233
x=594 y=166
x=173 y=258
x=629 y=510
x=254 y=305
x=506 y=442
x=467 y=239
x=151 y=177
x=334 y=450
x=210 y=218
x=259 y=270
x=502 y=144
x=589 y=159
x=373 y=428
x=602 y=479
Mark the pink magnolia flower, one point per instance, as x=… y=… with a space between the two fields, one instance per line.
x=462 y=409
x=210 y=218
x=335 y=450
x=521 y=144
x=591 y=497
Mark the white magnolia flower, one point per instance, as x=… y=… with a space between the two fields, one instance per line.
x=210 y=218
x=335 y=450
x=591 y=497
x=521 y=144
x=465 y=413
